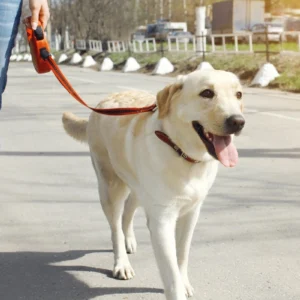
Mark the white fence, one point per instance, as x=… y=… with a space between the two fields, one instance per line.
x=138 y=46
x=95 y=46
x=80 y=45
x=188 y=44
x=181 y=44
x=295 y=35
x=144 y=46
x=92 y=45
x=216 y=43
x=236 y=38
x=116 y=46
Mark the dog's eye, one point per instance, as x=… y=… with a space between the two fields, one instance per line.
x=207 y=94
x=239 y=95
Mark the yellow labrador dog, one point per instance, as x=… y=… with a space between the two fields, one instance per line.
x=166 y=161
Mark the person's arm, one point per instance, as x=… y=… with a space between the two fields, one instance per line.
x=39 y=11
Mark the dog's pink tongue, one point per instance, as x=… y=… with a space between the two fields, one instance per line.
x=225 y=150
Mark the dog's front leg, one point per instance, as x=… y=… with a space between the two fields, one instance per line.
x=162 y=230
x=184 y=234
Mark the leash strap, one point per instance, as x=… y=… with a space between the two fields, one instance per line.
x=106 y=111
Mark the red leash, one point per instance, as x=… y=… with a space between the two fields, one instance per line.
x=106 y=111
x=43 y=63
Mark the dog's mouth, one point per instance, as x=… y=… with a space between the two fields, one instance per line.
x=219 y=147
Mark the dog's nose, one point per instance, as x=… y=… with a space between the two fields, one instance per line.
x=235 y=123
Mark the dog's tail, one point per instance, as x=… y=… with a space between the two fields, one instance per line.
x=75 y=126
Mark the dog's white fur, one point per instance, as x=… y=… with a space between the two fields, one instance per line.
x=134 y=168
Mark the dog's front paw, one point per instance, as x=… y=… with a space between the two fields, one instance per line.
x=131 y=244
x=123 y=271
x=189 y=290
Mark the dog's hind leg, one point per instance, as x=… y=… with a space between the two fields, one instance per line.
x=113 y=193
x=184 y=234
x=128 y=214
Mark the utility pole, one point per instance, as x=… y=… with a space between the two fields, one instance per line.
x=201 y=31
x=170 y=10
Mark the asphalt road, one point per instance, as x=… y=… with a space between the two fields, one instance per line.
x=55 y=241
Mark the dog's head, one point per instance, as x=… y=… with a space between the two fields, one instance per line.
x=210 y=104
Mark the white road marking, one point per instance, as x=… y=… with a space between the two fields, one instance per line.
x=83 y=80
x=270 y=114
x=279 y=116
x=251 y=110
x=131 y=89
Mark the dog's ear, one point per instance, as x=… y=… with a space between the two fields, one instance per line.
x=164 y=98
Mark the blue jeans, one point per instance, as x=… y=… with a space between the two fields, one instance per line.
x=10 y=14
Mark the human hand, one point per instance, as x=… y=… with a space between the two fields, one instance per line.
x=39 y=12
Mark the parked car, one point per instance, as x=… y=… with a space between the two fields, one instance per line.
x=139 y=36
x=182 y=36
x=162 y=28
x=275 y=31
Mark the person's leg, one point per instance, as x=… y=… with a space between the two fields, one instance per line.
x=10 y=14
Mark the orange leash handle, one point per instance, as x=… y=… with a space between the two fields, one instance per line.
x=37 y=43
x=43 y=63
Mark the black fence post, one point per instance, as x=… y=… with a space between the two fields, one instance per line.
x=201 y=52
x=203 y=46
x=162 y=45
x=267 y=43
x=129 y=50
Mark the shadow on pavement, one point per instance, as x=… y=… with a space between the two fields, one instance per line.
x=31 y=276
x=43 y=153
x=259 y=152
x=272 y=153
